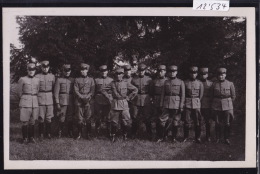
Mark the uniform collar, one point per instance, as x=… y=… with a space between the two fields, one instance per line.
x=103 y=77
x=84 y=76
x=127 y=77
x=30 y=76
x=172 y=78
x=193 y=80
x=203 y=80
x=44 y=73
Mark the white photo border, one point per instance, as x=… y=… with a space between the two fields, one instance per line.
x=250 y=145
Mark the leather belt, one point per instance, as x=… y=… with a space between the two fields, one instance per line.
x=143 y=93
x=172 y=95
x=192 y=97
x=29 y=94
x=45 y=91
x=222 y=97
x=66 y=93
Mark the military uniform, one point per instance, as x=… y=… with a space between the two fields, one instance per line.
x=157 y=86
x=28 y=88
x=206 y=102
x=142 y=102
x=172 y=100
x=102 y=105
x=119 y=103
x=223 y=96
x=45 y=99
x=84 y=88
x=63 y=94
x=193 y=94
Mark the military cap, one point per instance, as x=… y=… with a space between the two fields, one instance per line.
x=222 y=70
x=142 y=67
x=66 y=67
x=134 y=61
x=193 y=69
x=204 y=70
x=45 y=63
x=173 y=68
x=103 y=68
x=161 y=67
x=84 y=66
x=127 y=67
x=119 y=71
x=31 y=66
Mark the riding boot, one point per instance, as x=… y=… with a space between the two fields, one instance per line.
x=31 y=134
x=48 y=130
x=149 y=130
x=198 y=134
x=113 y=133
x=88 y=131
x=218 y=132
x=174 y=133
x=208 y=132
x=79 y=131
x=25 y=134
x=61 y=125
x=70 y=129
x=186 y=133
x=227 y=134
x=134 y=130
x=41 y=131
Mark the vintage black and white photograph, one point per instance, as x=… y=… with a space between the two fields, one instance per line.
x=129 y=86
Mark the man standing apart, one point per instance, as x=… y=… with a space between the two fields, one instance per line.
x=102 y=105
x=28 y=88
x=142 y=102
x=206 y=101
x=45 y=98
x=172 y=101
x=119 y=103
x=193 y=92
x=84 y=88
x=63 y=94
x=223 y=92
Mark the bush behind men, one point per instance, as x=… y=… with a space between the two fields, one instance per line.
x=165 y=95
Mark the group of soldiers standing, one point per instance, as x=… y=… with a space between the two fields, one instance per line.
x=127 y=101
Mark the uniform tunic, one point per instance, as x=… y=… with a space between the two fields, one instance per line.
x=193 y=92
x=102 y=105
x=206 y=101
x=142 y=102
x=222 y=104
x=45 y=96
x=172 y=99
x=119 y=103
x=28 y=88
x=84 y=88
x=63 y=94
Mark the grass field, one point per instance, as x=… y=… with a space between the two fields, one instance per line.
x=103 y=149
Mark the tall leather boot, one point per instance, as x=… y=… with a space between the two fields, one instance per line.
x=148 y=130
x=70 y=129
x=186 y=133
x=98 y=127
x=113 y=133
x=79 y=131
x=31 y=134
x=25 y=134
x=48 y=130
x=88 y=131
x=41 y=131
x=218 y=132
x=124 y=131
x=208 y=131
x=134 y=129
x=61 y=125
x=227 y=134
x=174 y=133
x=198 y=134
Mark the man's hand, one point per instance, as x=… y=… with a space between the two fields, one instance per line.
x=58 y=107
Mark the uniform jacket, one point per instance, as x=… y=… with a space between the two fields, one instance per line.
x=47 y=81
x=119 y=90
x=63 y=91
x=193 y=92
x=223 y=95
x=28 y=89
x=207 y=98
x=173 y=94
x=157 y=87
x=128 y=79
x=144 y=86
x=84 y=88
x=102 y=83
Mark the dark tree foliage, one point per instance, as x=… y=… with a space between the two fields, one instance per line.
x=203 y=41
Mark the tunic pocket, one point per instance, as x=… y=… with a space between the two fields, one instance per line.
x=63 y=87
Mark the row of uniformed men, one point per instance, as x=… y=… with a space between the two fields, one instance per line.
x=157 y=103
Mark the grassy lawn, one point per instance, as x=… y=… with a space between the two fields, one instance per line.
x=103 y=149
